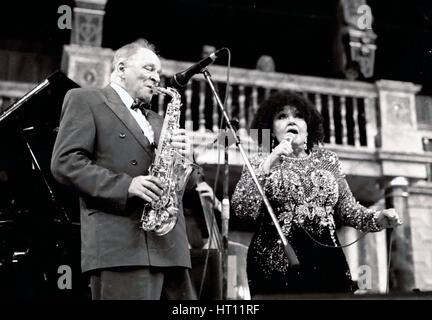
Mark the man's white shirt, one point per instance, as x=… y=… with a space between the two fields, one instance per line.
x=137 y=114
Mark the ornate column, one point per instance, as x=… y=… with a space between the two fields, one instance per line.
x=354 y=46
x=420 y=204
x=399 y=138
x=87 y=66
x=84 y=61
x=401 y=271
x=88 y=22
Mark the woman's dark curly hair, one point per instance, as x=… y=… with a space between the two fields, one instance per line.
x=276 y=102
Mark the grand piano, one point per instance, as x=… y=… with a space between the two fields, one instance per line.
x=39 y=219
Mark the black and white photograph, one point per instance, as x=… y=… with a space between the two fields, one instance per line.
x=215 y=153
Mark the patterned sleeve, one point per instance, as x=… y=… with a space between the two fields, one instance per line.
x=349 y=210
x=246 y=200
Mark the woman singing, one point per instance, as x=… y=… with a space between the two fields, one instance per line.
x=310 y=197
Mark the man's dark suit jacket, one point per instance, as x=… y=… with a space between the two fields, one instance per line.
x=99 y=149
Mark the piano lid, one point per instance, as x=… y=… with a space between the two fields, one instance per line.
x=49 y=92
x=29 y=127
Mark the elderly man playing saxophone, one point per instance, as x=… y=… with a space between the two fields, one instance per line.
x=104 y=148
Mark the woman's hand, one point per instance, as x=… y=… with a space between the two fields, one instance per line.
x=284 y=148
x=388 y=218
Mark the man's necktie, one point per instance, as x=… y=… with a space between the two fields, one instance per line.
x=138 y=104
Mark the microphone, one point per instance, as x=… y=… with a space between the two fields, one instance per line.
x=181 y=79
x=290 y=138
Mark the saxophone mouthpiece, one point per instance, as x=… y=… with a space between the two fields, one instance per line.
x=159 y=90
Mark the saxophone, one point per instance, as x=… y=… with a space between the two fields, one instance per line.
x=172 y=169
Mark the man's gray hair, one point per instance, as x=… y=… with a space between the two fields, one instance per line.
x=128 y=50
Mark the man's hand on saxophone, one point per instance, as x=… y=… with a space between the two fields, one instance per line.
x=148 y=188
x=181 y=142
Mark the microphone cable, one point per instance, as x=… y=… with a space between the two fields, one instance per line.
x=389 y=249
x=215 y=184
x=323 y=244
x=337 y=246
x=390 y=241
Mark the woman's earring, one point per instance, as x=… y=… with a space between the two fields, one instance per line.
x=305 y=145
x=273 y=143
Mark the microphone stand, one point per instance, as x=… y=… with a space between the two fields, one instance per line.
x=225 y=215
x=292 y=257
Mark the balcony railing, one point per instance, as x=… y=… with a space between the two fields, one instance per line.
x=348 y=107
x=10 y=91
x=351 y=109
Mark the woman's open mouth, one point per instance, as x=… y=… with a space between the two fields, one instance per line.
x=292 y=130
